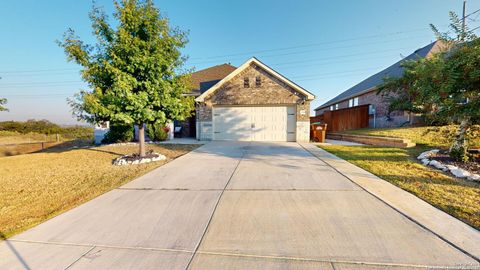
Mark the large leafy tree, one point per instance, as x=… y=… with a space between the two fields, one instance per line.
x=3 y=101
x=134 y=69
x=445 y=86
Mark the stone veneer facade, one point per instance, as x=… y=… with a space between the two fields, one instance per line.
x=272 y=91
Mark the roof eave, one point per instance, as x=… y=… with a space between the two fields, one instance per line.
x=215 y=87
x=325 y=105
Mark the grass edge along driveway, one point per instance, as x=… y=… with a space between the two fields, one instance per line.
x=36 y=187
x=457 y=197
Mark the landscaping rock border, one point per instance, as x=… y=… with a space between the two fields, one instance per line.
x=425 y=158
x=128 y=160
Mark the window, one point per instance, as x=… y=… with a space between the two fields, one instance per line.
x=331 y=108
x=336 y=106
x=246 y=82
x=353 y=102
x=258 y=81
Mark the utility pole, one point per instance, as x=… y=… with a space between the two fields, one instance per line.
x=463 y=20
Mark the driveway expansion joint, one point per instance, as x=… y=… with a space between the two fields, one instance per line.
x=102 y=246
x=171 y=189
x=79 y=258
x=332 y=262
x=215 y=208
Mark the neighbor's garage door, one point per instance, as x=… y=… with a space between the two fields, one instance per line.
x=254 y=123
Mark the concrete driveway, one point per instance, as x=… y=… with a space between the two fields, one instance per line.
x=233 y=205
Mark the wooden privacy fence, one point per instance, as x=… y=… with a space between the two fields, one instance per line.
x=344 y=119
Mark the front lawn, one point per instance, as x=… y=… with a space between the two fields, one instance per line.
x=35 y=187
x=399 y=166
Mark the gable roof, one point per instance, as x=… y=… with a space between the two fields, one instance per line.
x=395 y=70
x=203 y=79
x=258 y=63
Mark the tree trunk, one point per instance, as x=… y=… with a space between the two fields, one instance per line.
x=141 y=139
x=459 y=148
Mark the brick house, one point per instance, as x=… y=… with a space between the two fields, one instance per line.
x=200 y=81
x=249 y=103
x=365 y=92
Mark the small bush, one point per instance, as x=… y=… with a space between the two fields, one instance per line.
x=119 y=133
x=157 y=132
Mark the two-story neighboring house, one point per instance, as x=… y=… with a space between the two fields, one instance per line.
x=365 y=92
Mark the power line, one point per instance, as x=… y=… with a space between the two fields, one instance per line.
x=336 y=57
x=333 y=73
x=311 y=50
x=313 y=44
x=330 y=77
x=37 y=83
x=336 y=61
x=60 y=83
x=475 y=28
x=36 y=71
x=39 y=95
x=309 y=76
x=466 y=16
x=253 y=52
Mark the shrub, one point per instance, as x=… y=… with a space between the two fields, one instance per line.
x=157 y=132
x=119 y=133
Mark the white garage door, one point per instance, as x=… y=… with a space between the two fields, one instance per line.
x=276 y=123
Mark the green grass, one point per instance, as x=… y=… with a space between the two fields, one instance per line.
x=430 y=136
x=399 y=166
x=35 y=187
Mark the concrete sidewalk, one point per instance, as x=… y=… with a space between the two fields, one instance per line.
x=230 y=205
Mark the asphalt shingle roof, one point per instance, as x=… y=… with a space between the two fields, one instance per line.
x=206 y=78
x=371 y=82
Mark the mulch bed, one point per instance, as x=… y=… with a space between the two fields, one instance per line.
x=472 y=166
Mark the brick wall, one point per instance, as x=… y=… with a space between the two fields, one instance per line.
x=271 y=92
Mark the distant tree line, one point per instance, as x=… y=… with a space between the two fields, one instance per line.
x=46 y=127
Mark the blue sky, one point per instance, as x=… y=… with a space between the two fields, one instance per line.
x=324 y=46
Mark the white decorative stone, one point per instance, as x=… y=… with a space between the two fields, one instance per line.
x=451 y=167
x=456 y=171
x=425 y=161
x=474 y=177
x=460 y=173
x=436 y=164
x=145 y=160
x=160 y=157
x=422 y=156
x=123 y=160
x=427 y=154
